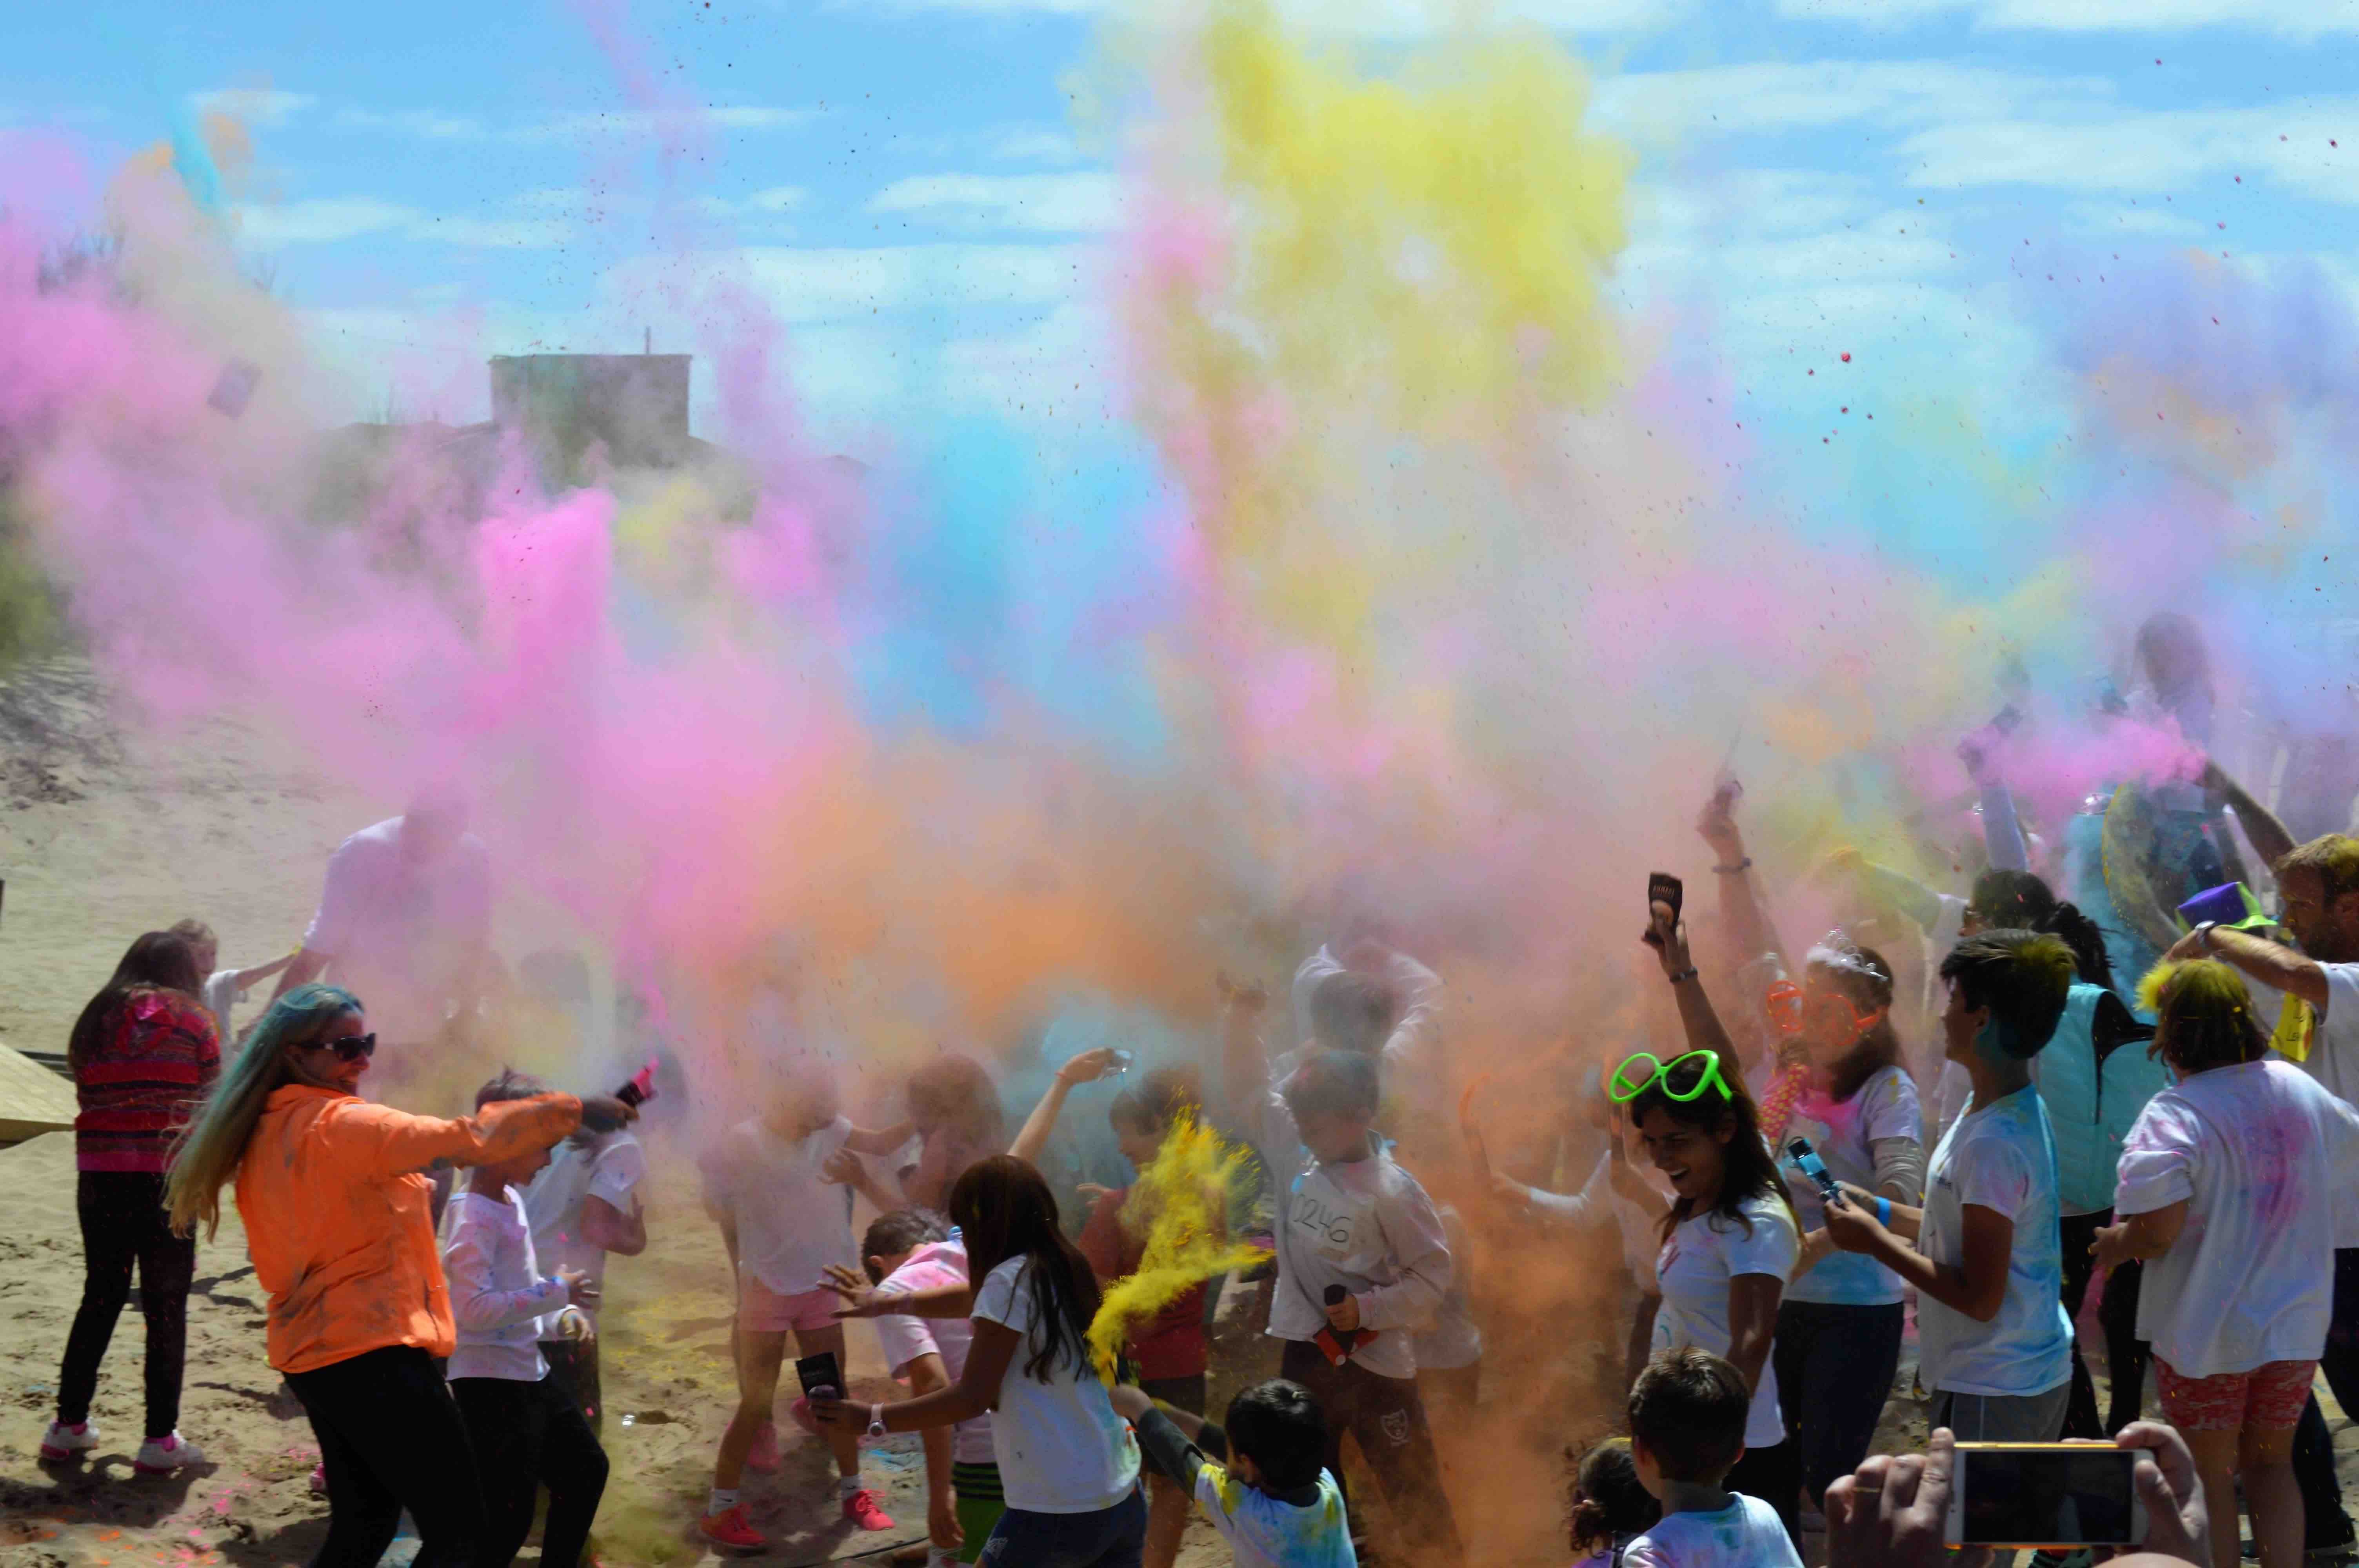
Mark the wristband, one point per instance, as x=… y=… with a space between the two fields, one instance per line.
x=1737 y=869
x=1883 y=1209
x=1686 y=974
x=2204 y=934
x=875 y=1421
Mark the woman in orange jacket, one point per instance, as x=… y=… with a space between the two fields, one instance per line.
x=335 y=1201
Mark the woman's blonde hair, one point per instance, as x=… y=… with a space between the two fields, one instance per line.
x=210 y=1149
x=2203 y=1015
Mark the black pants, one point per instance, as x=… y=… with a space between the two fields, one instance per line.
x=573 y=1367
x=2125 y=1354
x=1835 y=1366
x=1386 y=1419
x=526 y=1436
x=2313 y=1453
x=1774 y=1475
x=391 y=1438
x=122 y=1222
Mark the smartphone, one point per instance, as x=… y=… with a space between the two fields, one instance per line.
x=819 y=1375
x=1798 y=1150
x=1122 y=1060
x=641 y=1088
x=1662 y=888
x=2053 y=1494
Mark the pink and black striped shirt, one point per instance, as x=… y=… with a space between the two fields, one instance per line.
x=139 y=1088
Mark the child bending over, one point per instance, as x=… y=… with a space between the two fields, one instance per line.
x=1273 y=1500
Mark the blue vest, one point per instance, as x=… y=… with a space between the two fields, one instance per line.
x=2092 y=1110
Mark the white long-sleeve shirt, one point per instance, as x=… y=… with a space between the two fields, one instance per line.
x=497 y=1294
x=1410 y=1046
x=1365 y=1225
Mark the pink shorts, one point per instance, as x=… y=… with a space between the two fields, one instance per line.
x=761 y=1309
x=2267 y=1396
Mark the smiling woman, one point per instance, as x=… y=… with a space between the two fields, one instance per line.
x=336 y=1208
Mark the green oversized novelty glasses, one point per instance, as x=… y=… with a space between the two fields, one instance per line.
x=1625 y=1088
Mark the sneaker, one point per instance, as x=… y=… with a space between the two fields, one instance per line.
x=764 y=1454
x=162 y=1455
x=861 y=1508
x=63 y=1442
x=319 y=1482
x=729 y=1531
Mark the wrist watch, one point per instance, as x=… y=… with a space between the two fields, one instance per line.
x=875 y=1421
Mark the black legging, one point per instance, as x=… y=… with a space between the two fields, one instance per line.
x=527 y=1435
x=2125 y=1352
x=391 y=1438
x=1835 y=1365
x=122 y=1222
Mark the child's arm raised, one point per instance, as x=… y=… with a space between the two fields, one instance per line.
x=1087 y=1068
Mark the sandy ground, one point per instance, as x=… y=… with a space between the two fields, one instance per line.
x=101 y=838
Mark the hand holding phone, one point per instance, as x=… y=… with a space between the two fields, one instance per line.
x=1664 y=889
x=819 y=1375
x=2061 y=1496
x=1805 y=1159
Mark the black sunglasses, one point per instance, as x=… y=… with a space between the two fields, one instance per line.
x=352 y=1047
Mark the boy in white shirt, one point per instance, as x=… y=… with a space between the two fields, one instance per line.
x=523 y=1427
x=783 y=1226
x=912 y=1249
x=1273 y=1502
x=583 y=1206
x=1986 y=1261
x=1363 y=1262
x=1688 y=1411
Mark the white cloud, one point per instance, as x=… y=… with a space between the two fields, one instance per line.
x=327 y=220
x=671 y=125
x=1366 y=18
x=1050 y=203
x=1772 y=96
x=265 y=108
x=321 y=221
x=806 y=285
x=2284 y=18
x=1031 y=144
x=2143 y=151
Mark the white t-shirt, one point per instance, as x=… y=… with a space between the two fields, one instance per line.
x=1846 y=1134
x=611 y=1169
x=1061 y=1449
x=1746 y=1534
x=1693 y=1269
x=790 y=1224
x=2263 y=1157
x=2001 y=1157
x=221 y=998
x=398 y=935
x=497 y=1291
x=1265 y=1532
x=905 y=1339
x=2333 y=1057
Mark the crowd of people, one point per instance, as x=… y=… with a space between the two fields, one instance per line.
x=2102 y=1063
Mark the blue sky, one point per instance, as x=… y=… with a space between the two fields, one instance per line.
x=904 y=185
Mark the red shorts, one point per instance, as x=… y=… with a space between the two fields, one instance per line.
x=761 y=1309
x=2267 y=1396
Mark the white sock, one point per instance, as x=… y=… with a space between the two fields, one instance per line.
x=846 y=1484
x=720 y=1501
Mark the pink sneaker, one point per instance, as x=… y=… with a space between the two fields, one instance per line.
x=801 y=1413
x=764 y=1454
x=860 y=1509
x=319 y=1480
x=730 y=1531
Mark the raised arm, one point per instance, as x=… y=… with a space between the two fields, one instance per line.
x=1243 y=1064
x=1697 y=1018
x=1741 y=903
x=2260 y=824
x=2273 y=964
x=1087 y=1068
x=379 y=1141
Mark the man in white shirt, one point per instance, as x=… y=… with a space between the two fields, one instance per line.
x=404 y=922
